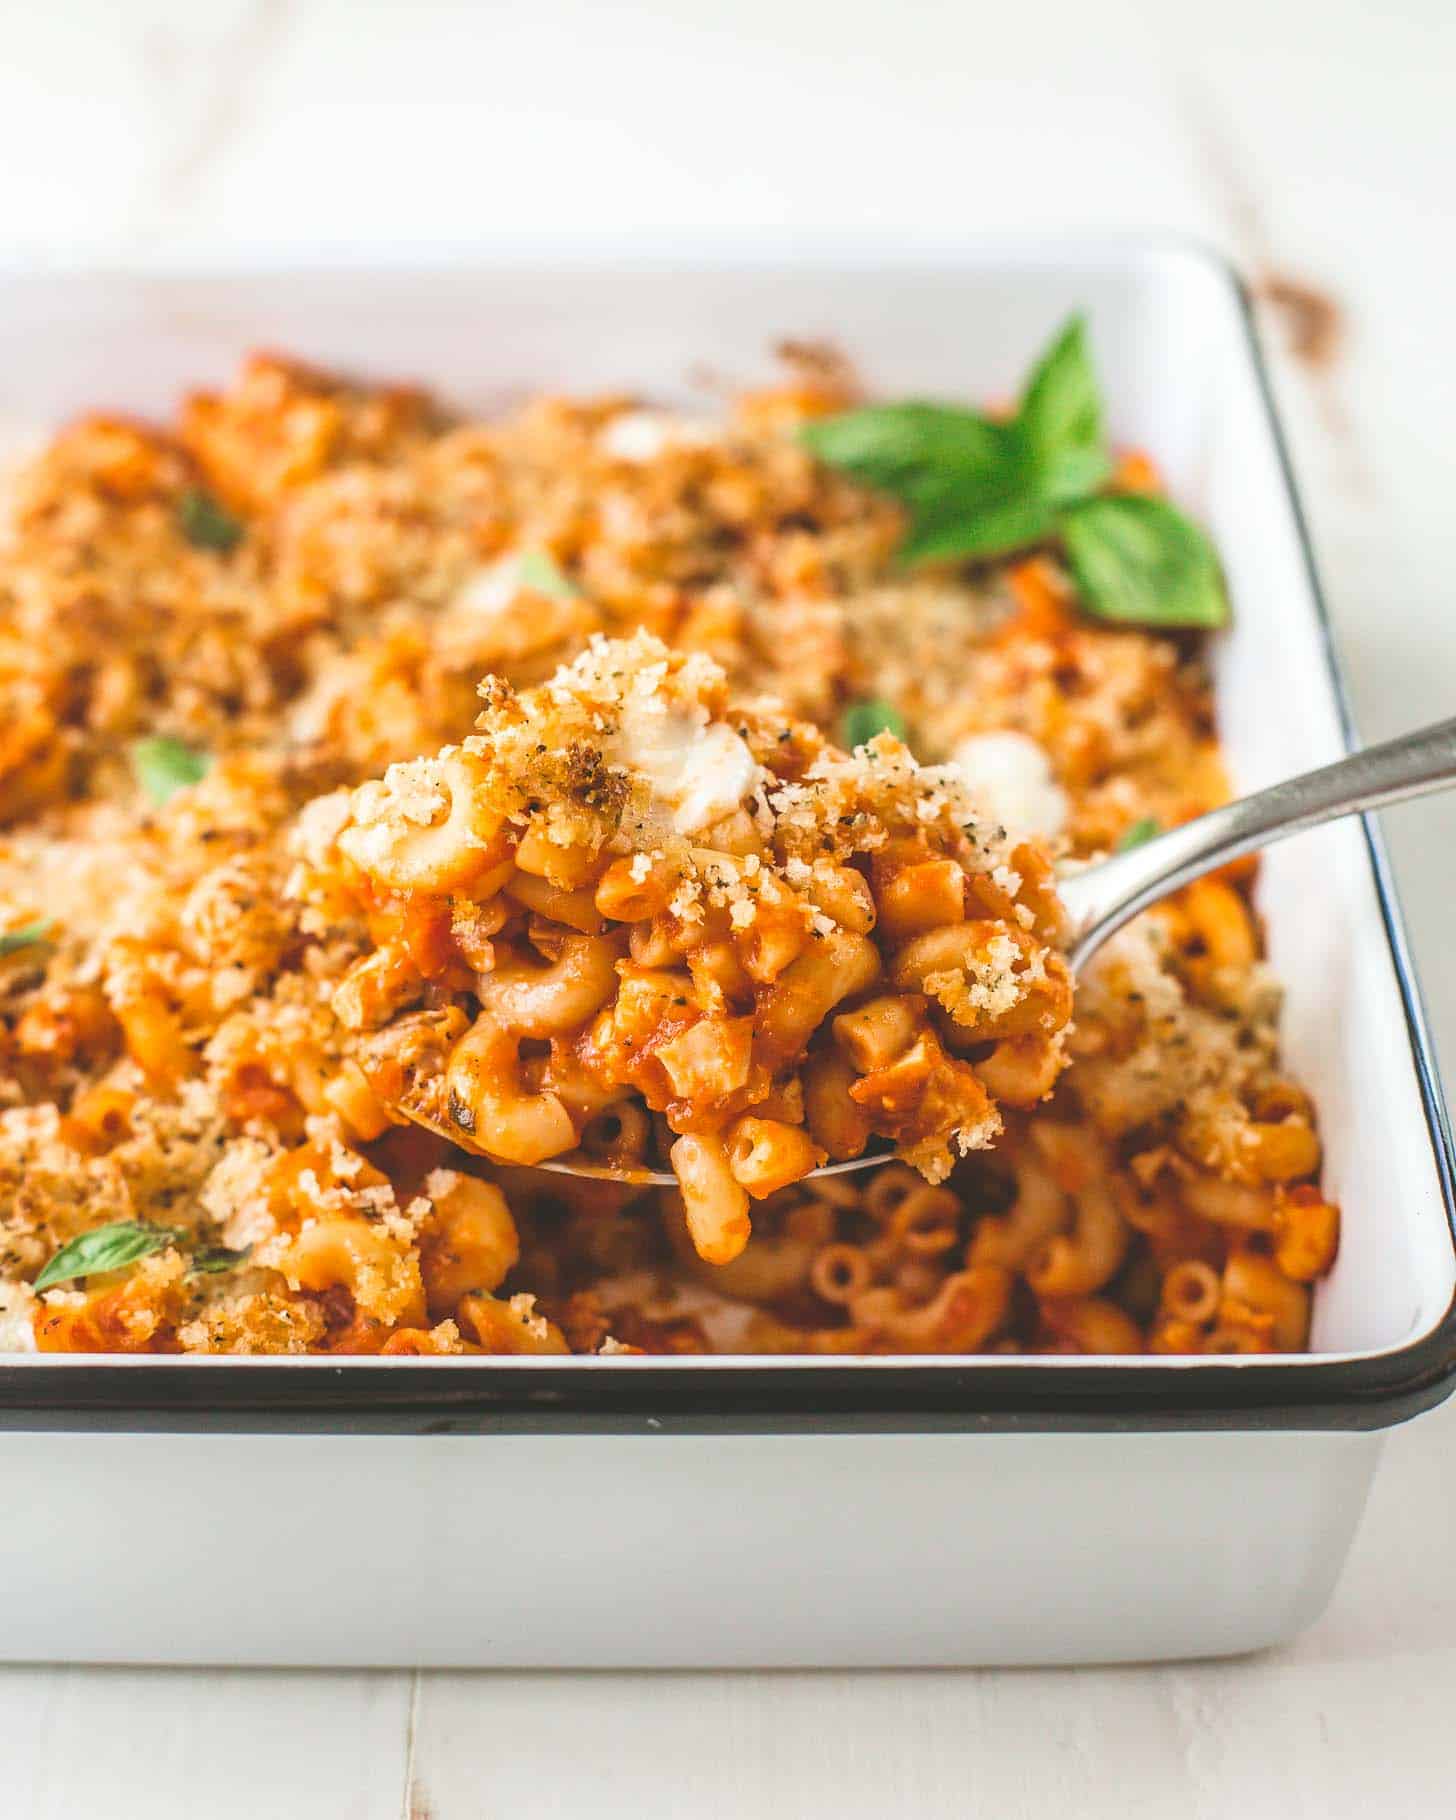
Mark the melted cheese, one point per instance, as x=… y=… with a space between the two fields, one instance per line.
x=1009 y=775
x=645 y=435
x=17 y=1309
x=492 y=589
x=698 y=772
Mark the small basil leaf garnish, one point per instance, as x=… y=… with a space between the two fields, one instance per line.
x=540 y=571
x=862 y=720
x=1140 y=560
x=104 y=1248
x=205 y=524
x=1146 y=828
x=164 y=766
x=28 y=937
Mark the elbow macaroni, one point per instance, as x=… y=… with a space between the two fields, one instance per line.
x=626 y=917
x=710 y=988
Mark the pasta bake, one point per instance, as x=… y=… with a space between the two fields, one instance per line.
x=391 y=803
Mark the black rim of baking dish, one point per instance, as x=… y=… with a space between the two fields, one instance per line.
x=661 y=1396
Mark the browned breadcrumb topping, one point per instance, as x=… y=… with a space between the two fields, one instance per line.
x=169 y=1048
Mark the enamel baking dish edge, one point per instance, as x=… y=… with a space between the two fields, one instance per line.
x=741 y=1512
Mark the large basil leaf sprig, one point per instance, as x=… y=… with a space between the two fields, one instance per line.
x=976 y=487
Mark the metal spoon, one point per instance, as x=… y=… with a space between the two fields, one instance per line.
x=1102 y=898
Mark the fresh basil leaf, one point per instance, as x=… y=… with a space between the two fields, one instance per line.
x=210 y=1260
x=969 y=484
x=164 y=766
x=1146 y=828
x=930 y=456
x=948 y=534
x=1139 y=560
x=16 y=939
x=205 y=524
x=104 y=1248
x=539 y=570
x=888 y=445
x=1060 y=418
x=1073 y=474
x=862 y=720
x=975 y=487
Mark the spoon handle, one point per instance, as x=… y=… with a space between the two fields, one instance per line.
x=1101 y=899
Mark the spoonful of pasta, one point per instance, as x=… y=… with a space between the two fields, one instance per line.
x=630 y=914
x=1103 y=897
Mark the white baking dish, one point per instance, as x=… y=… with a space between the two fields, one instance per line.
x=701 y=1512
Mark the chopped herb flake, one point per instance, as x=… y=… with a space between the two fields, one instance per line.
x=209 y=1260
x=539 y=571
x=32 y=933
x=862 y=720
x=205 y=524
x=164 y=766
x=1140 y=833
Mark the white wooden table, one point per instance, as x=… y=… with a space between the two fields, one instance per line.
x=1317 y=143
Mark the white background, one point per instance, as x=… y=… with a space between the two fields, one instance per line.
x=1316 y=142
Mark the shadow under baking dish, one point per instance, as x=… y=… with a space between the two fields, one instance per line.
x=1184 y=377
